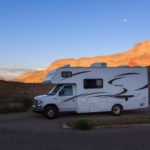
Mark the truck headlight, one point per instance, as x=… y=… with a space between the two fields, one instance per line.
x=39 y=103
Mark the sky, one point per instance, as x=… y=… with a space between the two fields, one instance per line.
x=34 y=33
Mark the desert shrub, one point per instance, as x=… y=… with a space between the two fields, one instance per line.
x=82 y=125
x=9 y=108
x=21 y=105
x=26 y=102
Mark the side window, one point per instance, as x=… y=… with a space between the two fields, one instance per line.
x=66 y=91
x=66 y=74
x=93 y=83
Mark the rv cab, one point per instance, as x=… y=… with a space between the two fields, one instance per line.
x=63 y=93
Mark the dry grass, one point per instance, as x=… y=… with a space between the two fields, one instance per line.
x=16 y=97
x=108 y=121
x=14 y=91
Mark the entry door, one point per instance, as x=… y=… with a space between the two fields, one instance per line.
x=66 y=96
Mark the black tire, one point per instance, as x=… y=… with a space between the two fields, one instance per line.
x=116 y=110
x=50 y=112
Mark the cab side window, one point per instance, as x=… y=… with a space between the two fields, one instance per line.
x=66 y=91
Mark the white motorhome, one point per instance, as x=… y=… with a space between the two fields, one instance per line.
x=94 y=89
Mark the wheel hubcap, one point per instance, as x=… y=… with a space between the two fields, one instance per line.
x=51 y=113
x=116 y=110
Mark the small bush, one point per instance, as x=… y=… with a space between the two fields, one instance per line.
x=9 y=108
x=26 y=102
x=20 y=105
x=82 y=125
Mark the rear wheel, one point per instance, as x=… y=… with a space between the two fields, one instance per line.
x=116 y=110
x=51 y=112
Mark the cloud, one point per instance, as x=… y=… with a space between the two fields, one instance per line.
x=11 y=72
x=40 y=69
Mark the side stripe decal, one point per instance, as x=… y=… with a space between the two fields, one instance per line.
x=131 y=73
x=144 y=87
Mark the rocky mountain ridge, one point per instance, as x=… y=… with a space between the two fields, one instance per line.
x=2 y=78
x=139 y=55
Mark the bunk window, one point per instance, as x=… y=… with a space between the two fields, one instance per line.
x=66 y=74
x=93 y=83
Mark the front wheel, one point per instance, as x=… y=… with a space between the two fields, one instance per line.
x=50 y=112
x=116 y=110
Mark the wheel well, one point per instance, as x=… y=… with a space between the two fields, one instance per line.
x=118 y=105
x=53 y=105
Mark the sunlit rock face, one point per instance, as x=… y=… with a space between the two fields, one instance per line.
x=139 y=55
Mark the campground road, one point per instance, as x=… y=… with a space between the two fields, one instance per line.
x=29 y=131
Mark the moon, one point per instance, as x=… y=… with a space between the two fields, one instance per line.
x=124 y=20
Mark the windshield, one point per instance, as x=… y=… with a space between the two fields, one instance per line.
x=55 y=90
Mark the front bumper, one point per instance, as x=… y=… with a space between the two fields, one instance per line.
x=37 y=109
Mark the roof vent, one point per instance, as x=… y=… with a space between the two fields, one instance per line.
x=66 y=66
x=97 y=65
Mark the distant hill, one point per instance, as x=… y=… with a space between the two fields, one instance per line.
x=2 y=78
x=138 y=55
